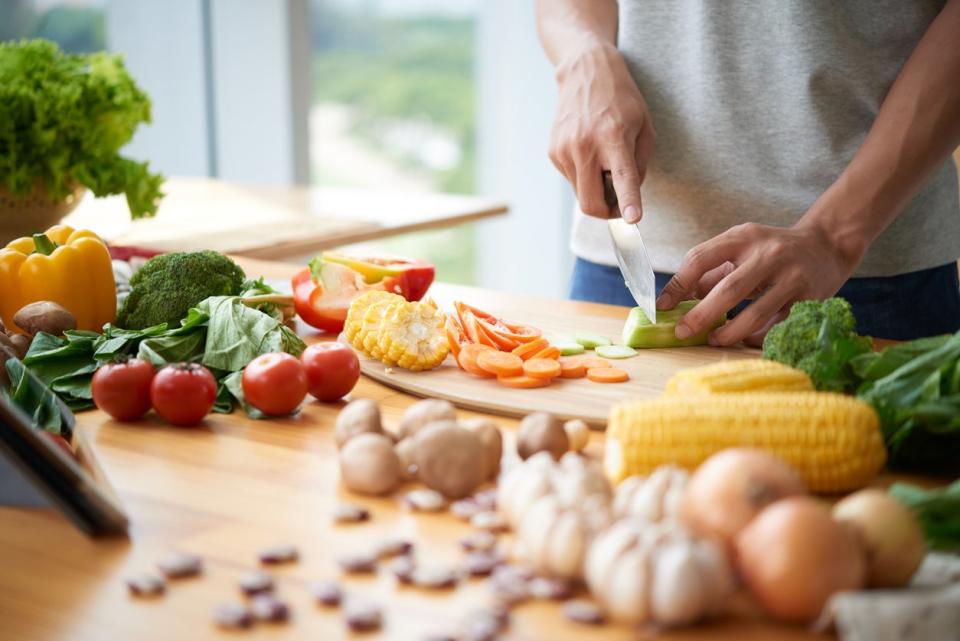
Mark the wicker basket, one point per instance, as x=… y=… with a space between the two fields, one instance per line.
x=35 y=212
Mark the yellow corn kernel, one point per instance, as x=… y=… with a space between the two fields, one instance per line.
x=357 y=309
x=741 y=375
x=832 y=440
x=413 y=337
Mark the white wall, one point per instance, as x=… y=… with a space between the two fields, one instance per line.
x=527 y=251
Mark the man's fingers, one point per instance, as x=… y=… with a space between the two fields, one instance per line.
x=756 y=339
x=709 y=280
x=590 y=189
x=721 y=299
x=701 y=259
x=756 y=316
x=626 y=182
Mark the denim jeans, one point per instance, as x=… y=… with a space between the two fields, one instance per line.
x=902 y=307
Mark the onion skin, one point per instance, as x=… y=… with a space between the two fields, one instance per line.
x=794 y=556
x=890 y=534
x=731 y=487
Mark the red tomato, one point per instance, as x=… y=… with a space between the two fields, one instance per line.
x=332 y=370
x=122 y=390
x=184 y=393
x=275 y=383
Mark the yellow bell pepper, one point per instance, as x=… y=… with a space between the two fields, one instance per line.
x=68 y=267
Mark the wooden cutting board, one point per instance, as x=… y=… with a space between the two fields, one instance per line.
x=568 y=398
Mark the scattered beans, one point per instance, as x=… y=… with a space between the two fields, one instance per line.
x=360 y=563
x=179 y=565
x=266 y=607
x=487 y=499
x=425 y=500
x=278 y=554
x=256 y=582
x=550 y=589
x=402 y=568
x=481 y=563
x=489 y=521
x=481 y=541
x=361 y=616
x=434 y=577
x=509 y=584
x=481 y=625
x=146 y=584
x=327 y=592
x=439 y=637
x=583 y=611
x=389 y=548
x=350 y=513
x=465 y=509
x=232 y=616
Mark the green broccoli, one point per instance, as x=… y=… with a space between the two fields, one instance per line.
x=166 y=287
x=820 y=338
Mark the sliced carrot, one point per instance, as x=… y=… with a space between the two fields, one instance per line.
x=496 y=339
x=455 y=337
x=524 y=382
x=541 y=368
x=527 y=350
x=468 y=359
x=548 y=352
x=572 y=368
x=500 y=363
x=607 y=375
x=594 y=363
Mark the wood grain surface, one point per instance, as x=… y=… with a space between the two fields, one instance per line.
x=234 y=485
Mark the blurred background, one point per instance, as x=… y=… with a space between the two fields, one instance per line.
x=449 y=96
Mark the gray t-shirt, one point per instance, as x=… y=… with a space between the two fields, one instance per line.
x=758 y=107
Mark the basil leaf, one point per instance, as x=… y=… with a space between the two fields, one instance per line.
x=236 y=334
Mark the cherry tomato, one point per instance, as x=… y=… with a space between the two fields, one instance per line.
x=332 y=370
x=122 y=389
x=275 y=383
x=183 y=393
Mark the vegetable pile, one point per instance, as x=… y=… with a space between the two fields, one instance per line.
x=63 y=120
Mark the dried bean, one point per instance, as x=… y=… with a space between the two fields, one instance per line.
x=481 y=541
x=350 y=513
x=361 y=616
x=232 y=616
x=487 y=499
x=402 y=569
x=179 y=565
x=510 y=584
x=361 y=563
x=425 y=501
x=277 y=554
x=256 y=582
x=481 y=563
x=146 y=585
x=327 y=593
x=266 y=607
x=389 y=548
x=434 y=577
x=583 y=611
x=489 y=521
x=481 y=625
x=464 y=509
x=550 y=589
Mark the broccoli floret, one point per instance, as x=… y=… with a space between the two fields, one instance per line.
x=167 y=286
x=820 y=338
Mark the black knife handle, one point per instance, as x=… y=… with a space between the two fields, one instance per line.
x=610 y=195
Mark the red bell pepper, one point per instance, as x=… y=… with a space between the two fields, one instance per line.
x=409 y=278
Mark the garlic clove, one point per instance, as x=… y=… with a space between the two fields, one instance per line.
x=564 y=548
x=677 y=591
x=627 y=598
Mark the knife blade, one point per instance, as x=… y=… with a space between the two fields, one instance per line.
x=635 y=265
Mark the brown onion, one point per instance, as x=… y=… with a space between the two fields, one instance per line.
x=793 y=556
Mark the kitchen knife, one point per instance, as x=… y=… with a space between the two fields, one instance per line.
x=631 y=254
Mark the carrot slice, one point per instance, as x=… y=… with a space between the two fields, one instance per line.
x=542 y=368
x=495 y=338
x=572 y=368
x=468 y=359
x=594 y=363
x=607 y=375
x=523 y=382
x=548 y=352
x=500 y=363
x=455 y=337
x=527 y=350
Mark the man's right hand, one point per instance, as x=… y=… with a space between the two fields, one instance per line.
x=602 y=123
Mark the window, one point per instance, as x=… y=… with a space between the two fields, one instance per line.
x=78 y=26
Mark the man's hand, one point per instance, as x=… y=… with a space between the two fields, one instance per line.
x=602 y=123
x=772 y=265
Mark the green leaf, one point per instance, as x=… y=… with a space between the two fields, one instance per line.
x=176 y=348
x=233 y=383
x=938 y=511
x=36 y=400
x=236 y=334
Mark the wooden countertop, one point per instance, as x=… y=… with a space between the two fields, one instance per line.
x=273 y=222
x=233 y=486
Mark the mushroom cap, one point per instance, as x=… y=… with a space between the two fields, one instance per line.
x=369 y=465
x=542 y=432
x=424 y=412
x=489 y=433
x=450 y=459
x=358 y=417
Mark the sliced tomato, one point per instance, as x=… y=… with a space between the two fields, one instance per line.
x=407 y=277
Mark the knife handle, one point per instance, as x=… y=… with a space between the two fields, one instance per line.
x=610 y=195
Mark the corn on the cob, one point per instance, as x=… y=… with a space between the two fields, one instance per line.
x=387 y=327
x=744 y=375
x=357 y=308
x=832 y=440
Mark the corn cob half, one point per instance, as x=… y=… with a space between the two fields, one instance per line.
x=742 y=375
x=397 y=332
x=832 y=440
x=358 y=307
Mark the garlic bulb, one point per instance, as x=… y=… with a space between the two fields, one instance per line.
x=652 y=498
x=643 y=572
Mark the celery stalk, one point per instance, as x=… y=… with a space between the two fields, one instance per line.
x=639 y=333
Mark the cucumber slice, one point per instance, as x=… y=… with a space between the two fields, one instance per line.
x=639 y=333
x=569 y=349
x=615 y=351
x=589 y=340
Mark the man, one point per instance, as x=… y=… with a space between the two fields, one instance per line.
x=783 y=147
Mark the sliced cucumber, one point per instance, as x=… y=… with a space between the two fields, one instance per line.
x=569 y=349
x=639 y=333
x=589 y=340
x=615 y=351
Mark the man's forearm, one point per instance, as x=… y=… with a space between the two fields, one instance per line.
x=916 y=129
x=569 y=28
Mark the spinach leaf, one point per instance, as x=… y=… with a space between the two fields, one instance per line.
x=236 y=334
x=172 y=348
x=938 y=511
x=37 y=401
x=233 y=383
